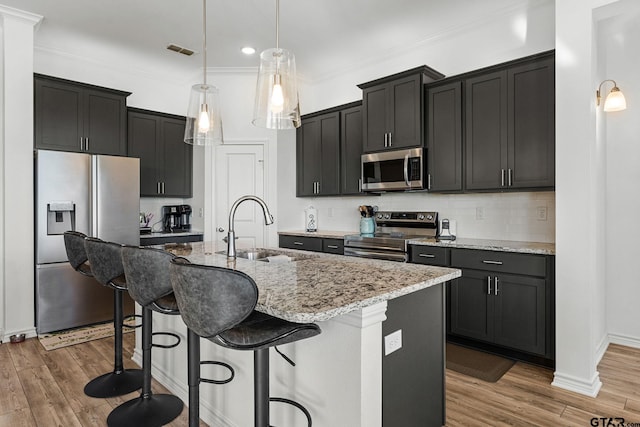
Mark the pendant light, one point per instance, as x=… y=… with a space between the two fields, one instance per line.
x=204 y=123
x=276 y=104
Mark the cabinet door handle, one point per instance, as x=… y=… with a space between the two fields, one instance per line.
x=81 y=144
x=510 y=177
x=492 y=262
x=318 y=192
x=386 y=139
x=488 y=285
x=162 y=187
x=428 y=181
x=426 y=255
x=502 y=177
x=495 y=288
x=390 y=139
x=158 y=187
x=298 y=243
x=359 y=185
x=332 y=246
x=86 y=144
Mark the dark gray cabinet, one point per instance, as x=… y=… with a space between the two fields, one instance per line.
x=350 y=149
x=72 y=116
x=444 y=137
x=166 y=162
x=503 y=302
x=328 y=150
x=509 y=127
x=315 y=244
x=318 y=155
x=392 y=113
x=502 y=299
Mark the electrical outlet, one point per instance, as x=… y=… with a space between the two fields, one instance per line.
x=330 y=213
x=201 y=212
x=479 y=213
x=541 y=213
x=393 y=342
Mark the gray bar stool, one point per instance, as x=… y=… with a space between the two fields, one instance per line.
x=218 y=304
x=147 y=273
x=102 y=261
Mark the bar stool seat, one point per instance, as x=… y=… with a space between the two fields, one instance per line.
x=102 y=260
x=218 y=304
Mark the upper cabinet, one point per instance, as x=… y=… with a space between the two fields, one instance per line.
x=392 y=113
x=444 y=137
x=510 y=127
x=71 y=116
x=328 y=150
x=493 y=129
x=166 y=162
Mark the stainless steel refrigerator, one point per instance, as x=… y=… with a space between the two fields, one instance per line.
x=98 y=196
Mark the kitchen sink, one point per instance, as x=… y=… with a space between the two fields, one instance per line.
x=260 y=254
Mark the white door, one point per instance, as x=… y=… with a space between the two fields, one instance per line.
x=239 y=172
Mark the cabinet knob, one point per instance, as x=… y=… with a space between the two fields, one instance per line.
x=220 y=230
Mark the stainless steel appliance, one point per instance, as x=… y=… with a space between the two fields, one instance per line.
x=98 y=196
x=393 y=170
x=176 y=218
x=393 y=230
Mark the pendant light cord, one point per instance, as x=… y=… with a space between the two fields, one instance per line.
x=277 y=24
x=204 y=40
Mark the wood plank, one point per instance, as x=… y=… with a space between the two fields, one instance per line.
x=19 y=418
x=12 y=397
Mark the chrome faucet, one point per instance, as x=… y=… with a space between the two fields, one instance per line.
x=231 y=235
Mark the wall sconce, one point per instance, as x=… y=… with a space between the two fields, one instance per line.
x=615 y=100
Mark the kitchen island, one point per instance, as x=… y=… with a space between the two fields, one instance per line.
x=338 y=374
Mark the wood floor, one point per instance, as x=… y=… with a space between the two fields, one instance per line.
x=44 y=388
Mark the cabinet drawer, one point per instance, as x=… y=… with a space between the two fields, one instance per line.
x=333 y=246
x=502 y=262
x=304 y=243
x=431 y=255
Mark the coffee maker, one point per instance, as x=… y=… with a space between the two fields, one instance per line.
x=176 y=218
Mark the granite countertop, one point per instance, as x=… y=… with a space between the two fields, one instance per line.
x=163 y=234
x=320 y=286
x=537 y=248
x=326 y=234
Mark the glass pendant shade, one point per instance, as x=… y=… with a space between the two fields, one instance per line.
x=615 y=101
x=276 y=103
x=204 y=124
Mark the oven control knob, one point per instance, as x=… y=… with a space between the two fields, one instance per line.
x=421 y=217
x=387 y=216
x=430 y=217
x=379 y=216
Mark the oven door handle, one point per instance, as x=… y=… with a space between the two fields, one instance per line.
x=354 y=244
x=399 y=257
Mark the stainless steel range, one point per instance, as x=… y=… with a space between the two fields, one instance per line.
x=393 y=230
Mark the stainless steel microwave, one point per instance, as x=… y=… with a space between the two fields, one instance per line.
x=395 y=170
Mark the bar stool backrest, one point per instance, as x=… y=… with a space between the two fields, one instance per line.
x=105 y=259
x=212 y=299
x=74 y=245
x=147 y=273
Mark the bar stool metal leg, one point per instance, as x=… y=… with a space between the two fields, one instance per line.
x=121 y=381
x=193 y=377
x=261 y=387
x=148 y=410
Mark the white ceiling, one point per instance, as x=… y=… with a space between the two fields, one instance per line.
x=325 y=35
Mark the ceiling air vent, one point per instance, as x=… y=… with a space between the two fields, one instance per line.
x=180 y=49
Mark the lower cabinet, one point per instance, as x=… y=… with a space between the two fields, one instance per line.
x=503 y=302
x=316 y=244
x=502 y=309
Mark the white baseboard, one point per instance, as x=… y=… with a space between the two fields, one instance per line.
x=624 y=340
x=601 y=349
x=568 y=382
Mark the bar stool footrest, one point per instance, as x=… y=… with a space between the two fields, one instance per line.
x=232 y=373
x=171 y=334
x=293 y=403
x=133 y=316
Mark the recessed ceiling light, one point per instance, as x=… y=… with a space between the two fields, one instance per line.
x=248 y=50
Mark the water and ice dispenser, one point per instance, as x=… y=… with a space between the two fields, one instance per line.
x=61 y=217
